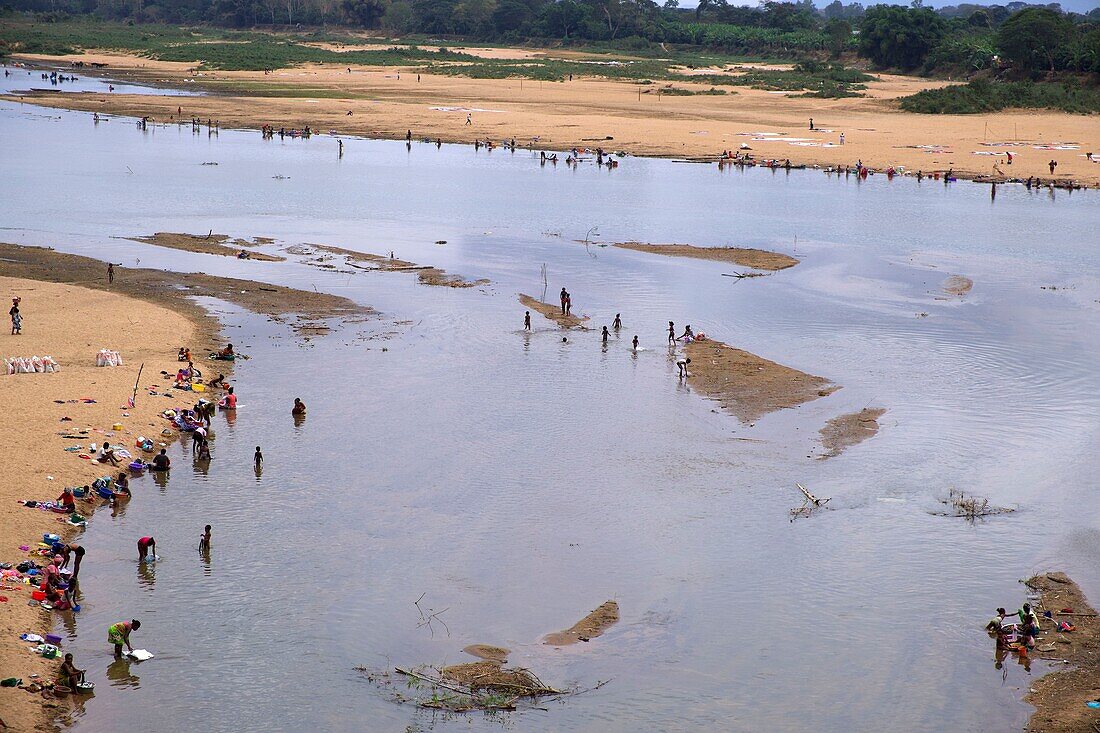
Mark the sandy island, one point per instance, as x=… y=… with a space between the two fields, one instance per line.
x=594 y=624
x=848 y=430
x=1060 y=696
x=213 y=244
x=747 y=385
x=553 y=312
x=958 y=285
x=758 y=259
x=561 y=115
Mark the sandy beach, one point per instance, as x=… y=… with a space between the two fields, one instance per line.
x=71 y=323
x=589 y=111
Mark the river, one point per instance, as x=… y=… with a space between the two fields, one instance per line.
x=513 y=481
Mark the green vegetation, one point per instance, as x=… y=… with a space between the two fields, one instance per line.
x=624 y=39
x=982 y=95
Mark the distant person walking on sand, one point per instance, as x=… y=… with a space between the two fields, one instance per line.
x=564 y=296
x=299 y=407
x=527 y=320
x=469 y=121
x=671 y=332
x=259 y=458
x=842 y=138
x=682 y=365
x=147 y=549
x=1053 y=164
x=110 y=273
x=811 y=123
x=17 y=317
x=617 y=323
x=408 y=136
x=119 y=634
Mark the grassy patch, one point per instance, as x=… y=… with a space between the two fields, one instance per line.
x=982 y=95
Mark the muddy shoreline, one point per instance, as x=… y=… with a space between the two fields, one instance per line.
x=1060 y=695
x=212 y=244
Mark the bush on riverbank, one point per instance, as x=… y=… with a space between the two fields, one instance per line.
x=983 y=95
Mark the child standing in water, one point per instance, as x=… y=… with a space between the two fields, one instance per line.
x=259 y=458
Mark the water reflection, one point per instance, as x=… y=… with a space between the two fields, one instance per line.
x=147 y=575
x=120 y=673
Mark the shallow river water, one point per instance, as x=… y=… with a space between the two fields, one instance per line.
x=516 y=482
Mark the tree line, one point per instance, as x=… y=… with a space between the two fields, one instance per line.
x=1024 y=39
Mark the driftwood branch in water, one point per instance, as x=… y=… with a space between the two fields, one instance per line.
x=742 y=275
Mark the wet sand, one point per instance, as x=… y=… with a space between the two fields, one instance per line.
x=304 y=311
x=757 y=259
x=488 y=653
x=594 y=624
x=71 y=323
x=553 y=312
x=848 y=430
x=562 y=115
x=213 y=244
x=1059 y=697
x=749 y=386
x=958 y=285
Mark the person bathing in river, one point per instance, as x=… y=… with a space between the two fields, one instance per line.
x=688 y=334
x=635 y=342
x=258 y=458
x=227 y=353
x=617 y=323
x=230 y=401
x=299 y=407
x=204 y=451
x=682 y=365
x=671 y=333
x=119 y=634
x=605 y=335
x=204 y=540
x=527 y=320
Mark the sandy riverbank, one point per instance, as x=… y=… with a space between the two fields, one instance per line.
x=71 y=323
x=589 y=111
x=302 y=310
x=70 y=311
x=1059 y=697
